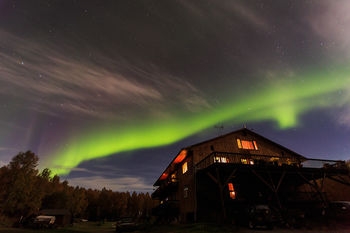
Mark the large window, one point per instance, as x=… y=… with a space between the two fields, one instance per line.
x=247 y=144
x=184 y=168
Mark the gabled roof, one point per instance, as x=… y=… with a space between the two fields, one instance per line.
x=250 y=132
x=222 y=136
x=167 y=168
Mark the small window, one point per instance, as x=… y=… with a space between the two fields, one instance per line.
x=184 y=168
x=218 y=159
x=212 y=147
x=230 y=186
x=239 y=143
x=185 y=192
x=247 y=161
x=244 y=161
x=247 y=144
x=255 y=145
x=173 y=177
x=231 y=191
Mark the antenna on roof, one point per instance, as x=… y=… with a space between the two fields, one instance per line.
x=220 y=128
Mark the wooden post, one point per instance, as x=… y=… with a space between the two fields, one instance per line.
x=221 y=187
x=221 y=192
x=314 y=186
x=271 y=185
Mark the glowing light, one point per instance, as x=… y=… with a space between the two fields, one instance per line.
x=232 y=191
x=239 y=143
x=282 y=102
x=255 y=145
x=230 y=186
x=181 y=156
x=247 y=145
x=164 y=176
x=184 y=168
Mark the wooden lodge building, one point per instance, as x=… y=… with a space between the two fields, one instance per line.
x=206 y=181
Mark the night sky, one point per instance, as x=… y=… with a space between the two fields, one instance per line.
x=107 y=92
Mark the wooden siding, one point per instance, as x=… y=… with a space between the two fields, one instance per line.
x=228 y=143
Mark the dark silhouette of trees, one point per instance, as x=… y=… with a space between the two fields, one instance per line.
x=22 y=196
x=24 y=192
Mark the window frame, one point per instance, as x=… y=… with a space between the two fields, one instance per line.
x=184 y=165
x=186 y=190
x=254 y=144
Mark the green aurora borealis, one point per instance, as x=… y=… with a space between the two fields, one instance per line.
x=282 y=101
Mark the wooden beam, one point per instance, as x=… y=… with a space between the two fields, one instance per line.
x=221 y=191
x=272 y=183
x=306 y=180
x=262 y=179
x=280 y=181
x=230 y=176
x=315 y=186
x=213 y=178
x=339 y=180
x=322 y=182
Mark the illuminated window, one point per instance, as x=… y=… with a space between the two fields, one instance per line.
x=232 y=191
x=173 y=177
x=163 y=176
x=244 y=161
x=230 y=186
x=246 y=144
x=181 y=156
x=185 y=192
x=255 y=145
x=218 y=159
x=184 y=168
x=239 y=143
x=247 y=161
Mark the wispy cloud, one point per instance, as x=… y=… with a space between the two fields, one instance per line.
x=228 y=9
x=330 y=20
x=116 y=184
x=54 y=82
x=7 y=149
x=2 y=163
x=343 y=116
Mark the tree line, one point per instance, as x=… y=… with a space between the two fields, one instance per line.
x=24 y=191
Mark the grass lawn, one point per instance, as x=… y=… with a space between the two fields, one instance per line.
x=88 y=227
x=108 y=227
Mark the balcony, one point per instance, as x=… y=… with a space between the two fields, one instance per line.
x=268 y=160
x=165 y=189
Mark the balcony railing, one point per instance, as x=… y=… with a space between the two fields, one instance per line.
x=253 y=159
